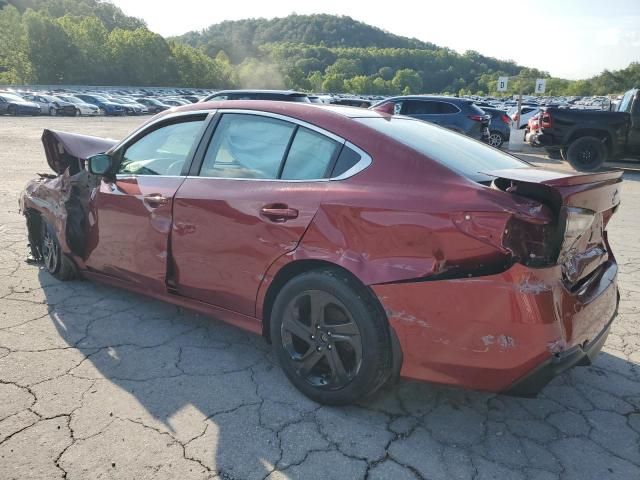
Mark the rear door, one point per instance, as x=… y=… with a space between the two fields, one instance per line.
x=255 y=192
x=131 y=214
x=426 y=110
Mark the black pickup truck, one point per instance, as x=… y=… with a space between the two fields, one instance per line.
x=588 y=138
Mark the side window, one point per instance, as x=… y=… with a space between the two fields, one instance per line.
x=447 y=108
x=218 y=98
x=419 y=107
x=163 y=151
x=310 y=156
x=347 y=159
x=625 y=103
x=247 y=146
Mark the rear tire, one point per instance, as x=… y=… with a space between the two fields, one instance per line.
x=496 y=139
x=56 y=263
x=330 y=337
x=586 y=154
x=12 y=110
x=53 y=112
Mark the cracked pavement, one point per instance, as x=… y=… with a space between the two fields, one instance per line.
x=96 y=382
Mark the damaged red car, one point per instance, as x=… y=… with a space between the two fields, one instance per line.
x=364 y=246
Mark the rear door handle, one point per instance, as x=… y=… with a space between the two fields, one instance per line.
x=155 y=200
x=279 y=213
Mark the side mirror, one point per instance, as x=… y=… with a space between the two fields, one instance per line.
x=101 y=164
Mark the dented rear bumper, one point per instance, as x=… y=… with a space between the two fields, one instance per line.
x=494 y=332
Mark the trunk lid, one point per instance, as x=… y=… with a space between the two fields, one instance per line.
x=70 y=150
x=582 y=204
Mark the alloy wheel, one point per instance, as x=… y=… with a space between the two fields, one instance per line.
x=495 y=140
x=50 y=250
x=322 y=340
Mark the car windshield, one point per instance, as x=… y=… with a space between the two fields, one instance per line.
x=99 y=98
x=49 y=97
x=71 y=99
x=10 y=96
x=457 y=152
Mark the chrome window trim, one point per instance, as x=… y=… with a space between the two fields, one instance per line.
x=285 y=118
x=364 y=162
x=208 y=112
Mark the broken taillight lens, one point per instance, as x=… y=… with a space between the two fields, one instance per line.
x=577 y=222
x=530 y=243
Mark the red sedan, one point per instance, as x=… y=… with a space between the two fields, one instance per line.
x=362 y=245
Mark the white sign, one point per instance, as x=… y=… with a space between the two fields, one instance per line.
x=540 y=84
x=502 y=84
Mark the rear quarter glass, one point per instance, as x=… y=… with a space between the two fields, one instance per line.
x=461 y=154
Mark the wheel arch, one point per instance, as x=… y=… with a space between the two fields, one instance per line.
x=294 y=268
x=285 y=273
x=604 y=135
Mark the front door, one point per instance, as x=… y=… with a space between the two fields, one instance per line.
x=261 y=182
x=131 y=214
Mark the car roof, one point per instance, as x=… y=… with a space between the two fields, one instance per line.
x=292 y=109
x=248 y=90
x=442 y=98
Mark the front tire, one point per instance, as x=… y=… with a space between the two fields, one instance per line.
x=331 y=337
x=56 y=263
x=53 y=112
x=586 y=154
x=12 y=110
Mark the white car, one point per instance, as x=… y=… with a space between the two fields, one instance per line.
x=526 y=112
x=50 y=105
x=83 y=107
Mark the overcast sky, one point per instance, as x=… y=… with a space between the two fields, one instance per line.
x=568 y=38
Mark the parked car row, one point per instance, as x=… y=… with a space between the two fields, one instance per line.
x=87 y=103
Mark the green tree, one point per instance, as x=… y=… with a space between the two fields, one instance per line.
x=407 y=80
x=15 y=65
x=333 y=83
x=50 y=50
x=359 y=84
x=386 y=73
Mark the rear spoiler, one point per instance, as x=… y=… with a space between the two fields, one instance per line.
x=64 y=149
x=597 y=191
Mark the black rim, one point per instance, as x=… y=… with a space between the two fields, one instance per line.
x=50 y=251
x=322 y=340
x=588 y=156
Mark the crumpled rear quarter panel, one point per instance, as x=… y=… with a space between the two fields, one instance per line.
x=486 y=332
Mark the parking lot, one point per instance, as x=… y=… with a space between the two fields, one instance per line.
x=96 y=382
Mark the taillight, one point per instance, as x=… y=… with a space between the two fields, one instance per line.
x=546 y=121
x=476 y=118
x=505 y=118
x=530 y=243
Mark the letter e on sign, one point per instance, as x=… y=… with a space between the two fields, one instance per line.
x=502 y=84
x=540 y=84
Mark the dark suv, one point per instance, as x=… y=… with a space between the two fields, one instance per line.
x=458 y=114
x=279 y=95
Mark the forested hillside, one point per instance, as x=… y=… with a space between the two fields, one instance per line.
x=93 y=42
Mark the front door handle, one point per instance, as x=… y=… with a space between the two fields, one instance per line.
x=155 y=200
x=279 y=213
